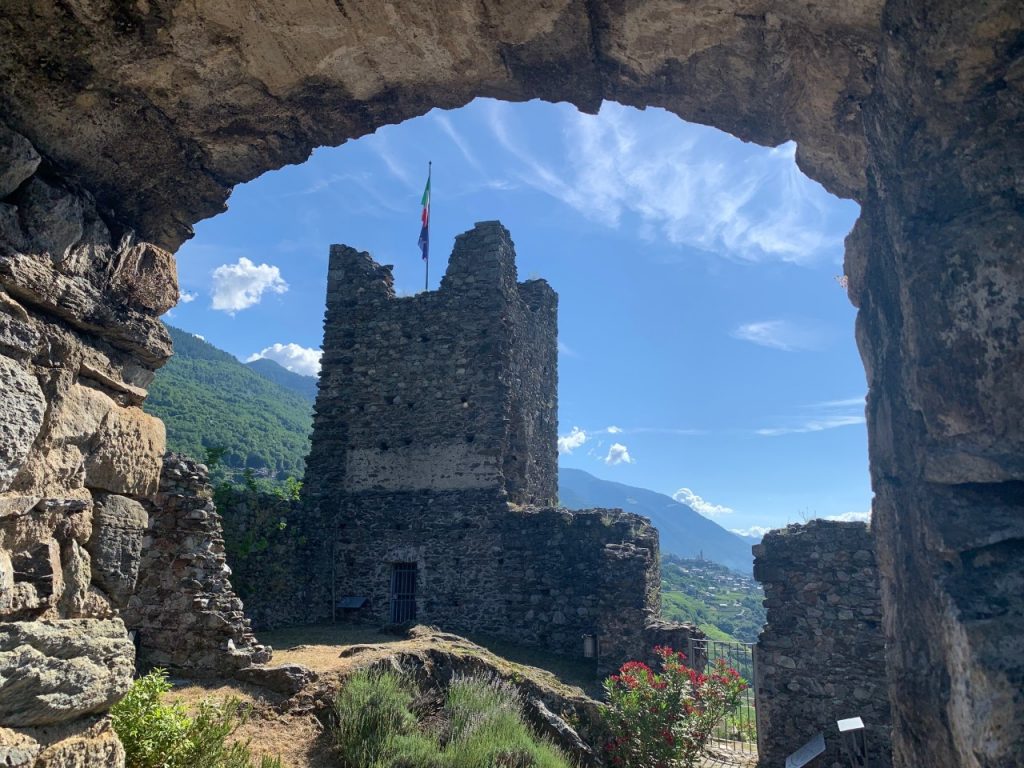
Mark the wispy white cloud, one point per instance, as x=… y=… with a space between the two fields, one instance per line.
x=457 y=139
x=618 y=454
x=294 y=357
x=613 y=430
x=754 y=530
x=188 y=298
x=815 y=425
x=699 y=505
x=818 y=417
x=685 y=184
x=242 y=285
x=565 y=349
x=572 y=441
x=380 y=147
x=785 y=335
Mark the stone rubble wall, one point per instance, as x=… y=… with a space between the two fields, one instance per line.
x=80 y=295
x=821 y=655
x=186 y=613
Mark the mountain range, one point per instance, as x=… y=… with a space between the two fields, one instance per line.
x=260 y=413
x=684 y=532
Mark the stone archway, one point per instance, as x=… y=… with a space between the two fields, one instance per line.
x=145 y=115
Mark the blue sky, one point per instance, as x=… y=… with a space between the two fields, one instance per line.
x=706 y=349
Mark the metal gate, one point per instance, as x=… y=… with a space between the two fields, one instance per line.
x=738 y=732
x=403 y=592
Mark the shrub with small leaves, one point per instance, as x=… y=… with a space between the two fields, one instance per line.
x=159 y=735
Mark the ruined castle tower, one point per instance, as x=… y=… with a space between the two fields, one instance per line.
x=432 y=481
x=450 y=390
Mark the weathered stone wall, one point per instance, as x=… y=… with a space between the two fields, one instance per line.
x=446 y=390
x=79 y=342
x=188 y=618
x=821 y=655
x=269 y=552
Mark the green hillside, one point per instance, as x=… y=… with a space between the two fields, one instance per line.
x=208 y=399
x=301 y=385
x=725 y=604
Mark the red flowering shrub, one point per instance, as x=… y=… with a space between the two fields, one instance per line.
x=664 y=719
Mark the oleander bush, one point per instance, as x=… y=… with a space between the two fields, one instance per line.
x=665 y=719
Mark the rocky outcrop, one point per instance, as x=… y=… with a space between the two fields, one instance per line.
x=914 y=109
x=79 y=341
x=188 y=618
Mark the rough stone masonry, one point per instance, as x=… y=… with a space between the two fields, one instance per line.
x=821 y=655
x=434 y=450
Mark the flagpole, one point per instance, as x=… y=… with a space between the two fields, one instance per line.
x=426 y=261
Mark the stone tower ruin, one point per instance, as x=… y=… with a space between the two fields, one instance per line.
x=433 y=474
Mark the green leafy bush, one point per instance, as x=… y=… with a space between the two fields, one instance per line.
x=159 y=735
x=664 y=720
x=481 y=726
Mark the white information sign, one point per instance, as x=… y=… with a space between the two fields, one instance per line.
x=807 y=752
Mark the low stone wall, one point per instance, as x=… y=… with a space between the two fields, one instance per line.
x=821 y=656
x=187 y=616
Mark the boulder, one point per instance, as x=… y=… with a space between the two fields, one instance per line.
x=286 y=679
x=119 y=523
x=17 y=750
x=55 y=671
x=22 y=406
x=18 y=160
x=52 y=217
x=126 y=453
x=144 y=277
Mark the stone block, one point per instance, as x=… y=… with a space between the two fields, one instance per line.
x=119 y=524
x=55 y=671
x=126 y=452
x=22 y=407
x=18 y=160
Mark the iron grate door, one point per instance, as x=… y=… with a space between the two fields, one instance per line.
x=403 y=592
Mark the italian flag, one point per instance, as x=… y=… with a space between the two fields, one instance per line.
x=424 y=241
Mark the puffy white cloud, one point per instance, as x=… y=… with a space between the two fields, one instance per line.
x=618 y=454
x=699 y=505
x=296 y=358
x=242 y=285
x=754 y=530
x=188 y=298
x=852 y=517
x=572 y=441
x=613 y=430
x=785 y=335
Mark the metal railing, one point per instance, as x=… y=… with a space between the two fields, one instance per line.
x=738 y=732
